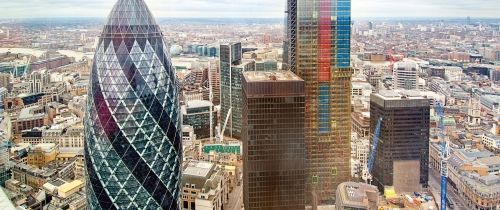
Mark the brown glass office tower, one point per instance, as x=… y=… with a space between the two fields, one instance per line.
x=274 y=156
x=402 y=158
x=317 y=49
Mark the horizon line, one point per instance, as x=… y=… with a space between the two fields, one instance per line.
x=165 y=17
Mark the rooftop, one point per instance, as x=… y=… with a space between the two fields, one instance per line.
x=198 y=104
x=400 y=94
x=70 y=186
x=28 y=113
x=357 y=194
x=200 y=169
x=266 y=76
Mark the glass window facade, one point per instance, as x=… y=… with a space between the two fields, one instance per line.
x=132 y=123
x=274 y=160
x=232 y=67
x=318 y=48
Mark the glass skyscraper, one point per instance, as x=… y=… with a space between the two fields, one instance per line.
x=232 y=67
x=132 y=124
x=317 y=49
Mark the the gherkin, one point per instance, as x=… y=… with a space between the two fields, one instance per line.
x=132 y=124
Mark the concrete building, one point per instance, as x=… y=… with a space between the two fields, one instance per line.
x=274 y=161
x=4 y=80
x=39 y=79
x=404 y=140
x=491 y=141
x=41 y=154
x=476 y=177
x=360 y=148
x=359 y=196
x=32 y=117
x=406 y=75
x=204 y=187
x=32 y=176
x=52 y=63
x=3 y=94
x=474 y=112
x=361 y=124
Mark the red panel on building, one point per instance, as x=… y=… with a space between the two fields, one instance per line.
x=324 y=41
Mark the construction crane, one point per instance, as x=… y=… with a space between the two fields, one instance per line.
x=445 y=154
x=367 y=171
x=221 y=137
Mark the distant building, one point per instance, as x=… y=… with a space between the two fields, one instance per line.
x=197 y=114
x=491 y=103
x=3 y=93
x=232 y=67
x=491 y=141
x=404 y=140
x=5 y=164
x=204 y=187
x=361 y=124
x=52 y=63
x=360 y=148
x=359 y=196
x=266 y=65
x=274 y=163
x=474 y=111
x=459 y=57
x=214 y=80
x=39 y=79
x=4 y=80
x=405 y=75
x=32 y=117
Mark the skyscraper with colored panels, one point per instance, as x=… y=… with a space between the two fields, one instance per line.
x=317 y=49
x=132 y=124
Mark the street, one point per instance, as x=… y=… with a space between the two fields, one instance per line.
x=235 y=198
x=435 y=185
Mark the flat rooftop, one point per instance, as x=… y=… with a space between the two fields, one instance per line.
x=400 y=94
x=357 y=194
x=267 y=76
x=27 y=113
x=200 y=169
x=198 y=104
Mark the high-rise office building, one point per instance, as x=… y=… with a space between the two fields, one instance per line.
x=274 y=156
x=196 y=113
x=402 y=157
x=406 y=75
x=317 y=49
x=132 y=124
x=231 y=67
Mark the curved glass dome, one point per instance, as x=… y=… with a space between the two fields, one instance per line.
x=132 y=123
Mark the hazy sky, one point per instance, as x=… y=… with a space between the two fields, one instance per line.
x=249 y=8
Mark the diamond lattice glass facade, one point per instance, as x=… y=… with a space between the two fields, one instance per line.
x=317 y=49
x=132 y=123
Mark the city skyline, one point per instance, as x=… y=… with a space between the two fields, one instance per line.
x=249 y=9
